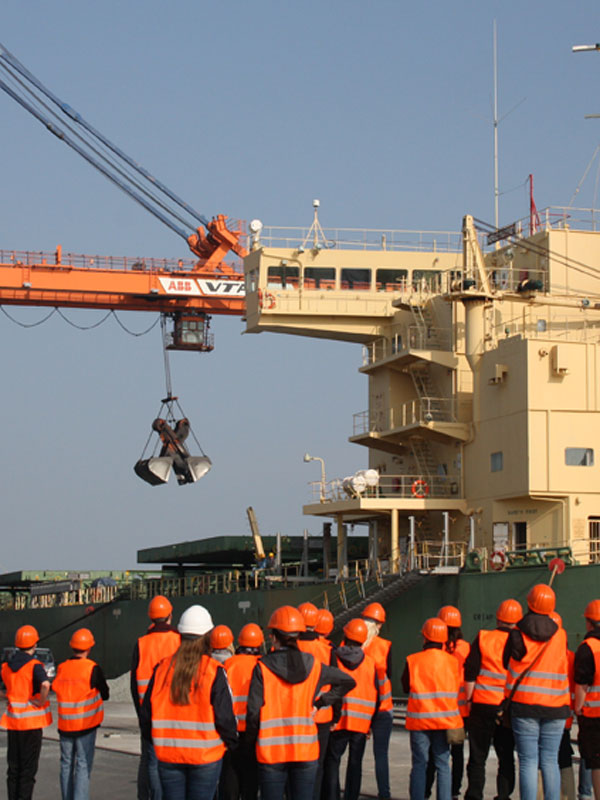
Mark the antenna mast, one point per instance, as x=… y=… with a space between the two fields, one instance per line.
x=496 y=190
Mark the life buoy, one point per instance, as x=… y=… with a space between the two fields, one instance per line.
x=420 y=488
x=260 y=298
x=266 y=299
x=498 y=560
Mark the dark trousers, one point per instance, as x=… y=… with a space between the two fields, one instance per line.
x=239 y=775
x=457 y=758
x=23 y=755
x=338 y=741
x=323 y=730
x=294 y=780
x=483 y=731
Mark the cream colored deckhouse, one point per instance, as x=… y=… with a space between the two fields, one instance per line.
x=483 y=362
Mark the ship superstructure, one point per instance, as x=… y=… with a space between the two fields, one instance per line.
x=483 y=364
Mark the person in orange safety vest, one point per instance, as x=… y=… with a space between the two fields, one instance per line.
x=239 y=776
x=161 y=640
x=358 y=709
x=27 y=713
x=431 y=678
x=286 y=687
x=586 y=675
x=188 y=712
x=80 y=689
x=485 y=677
x=380 y=650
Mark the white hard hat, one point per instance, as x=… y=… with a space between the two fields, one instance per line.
x=196 y=621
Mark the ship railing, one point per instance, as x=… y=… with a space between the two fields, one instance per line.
x=419 y=411
x=405 y=338
x=554 y=327
x=431 y=555
x=416 y=486
x=86 y=595
x=562 y=217
x=362 y=239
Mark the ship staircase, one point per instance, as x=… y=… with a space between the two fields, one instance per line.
x=354 y=596
x=424 y=460
x=428 y=334
x=433 y=407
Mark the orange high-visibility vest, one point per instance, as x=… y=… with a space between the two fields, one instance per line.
x=489 y=684
x=358 y=705
x=591 y=706
x=239 y=669
x=185 y=734
x=571 y=677
x=21 y=714
x=322 y=652
x=79 y=706
x=287 y=730
x=547 y=683
x=433 y=696
x=460 y=653
x=153 y=647
x=379 y=649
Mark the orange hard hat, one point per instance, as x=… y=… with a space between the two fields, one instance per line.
x=374 y=611
x=541 y=599
x=310 y=613
x=159 y=607
x=221 y=637
x=287 y=619
x=356 y=630
x=592 y=611
x=435 y=630
x=556 y=617
x=82 y=639
x=509 y=611
x=451 y=616
x=324 y=624
x=26 y=637
x=250 y=636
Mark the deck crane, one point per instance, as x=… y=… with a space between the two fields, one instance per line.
x=184 y=292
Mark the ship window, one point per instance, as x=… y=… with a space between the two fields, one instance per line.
x=497 y=461
x=541 y=325
x=391 y=280
x=579 y=457
x=426 y=279
x=356 y=279
x=319 y=278
x=251 y=281
x=594 y=536
x=282 y=277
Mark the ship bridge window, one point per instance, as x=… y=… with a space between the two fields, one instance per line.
x=251 y=281
x=319 y=278
x=497 y=461
x=356 y=279
x=427 y=279
x=282 y=277
x=579 y=457
x=391 y=280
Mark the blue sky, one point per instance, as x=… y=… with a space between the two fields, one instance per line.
x=381 y=110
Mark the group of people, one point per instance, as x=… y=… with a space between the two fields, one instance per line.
x=227 y=722
x=516 y=687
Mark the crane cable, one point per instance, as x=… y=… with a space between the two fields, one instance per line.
x=61 y=314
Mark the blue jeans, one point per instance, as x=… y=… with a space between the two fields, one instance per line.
x=584 y=789
x=381 y=730
x=189 y=781
x=537 y=742
x=76 y=759
x=148 y=782
x=420 y=744
x=295 y=778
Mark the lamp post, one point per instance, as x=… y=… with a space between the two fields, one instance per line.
x=308 y=458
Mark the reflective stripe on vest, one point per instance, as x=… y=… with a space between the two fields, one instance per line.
x=185 y=734
x=239 y=669
x=287 y=730
x=358 y=705
x=21 y=714
x=490 y=682
x=152 y=648
x=79 y=706
x=379 y=649
x=433 y=696
x=591 y=705
x=547 y=684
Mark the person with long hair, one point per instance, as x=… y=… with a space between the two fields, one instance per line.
x=188 y=713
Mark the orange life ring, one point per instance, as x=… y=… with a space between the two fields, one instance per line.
x=498 y=560
x=420 y=488
x=269 y=300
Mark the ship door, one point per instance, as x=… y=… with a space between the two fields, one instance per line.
x=519 y=536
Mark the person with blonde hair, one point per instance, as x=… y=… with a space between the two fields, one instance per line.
x=188 y=713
